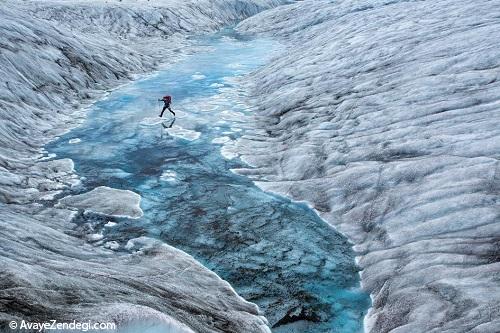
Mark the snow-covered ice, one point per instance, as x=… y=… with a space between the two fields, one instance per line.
x=384 y=115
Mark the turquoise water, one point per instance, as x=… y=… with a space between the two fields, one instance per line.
x=274 y=252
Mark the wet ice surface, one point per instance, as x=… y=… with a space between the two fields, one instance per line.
x=275 y=253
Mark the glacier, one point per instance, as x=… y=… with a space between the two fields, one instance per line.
x=57 y=57
x=384 y=116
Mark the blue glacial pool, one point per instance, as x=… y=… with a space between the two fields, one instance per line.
x=276 y=253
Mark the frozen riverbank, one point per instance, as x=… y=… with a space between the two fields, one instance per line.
x=55 y=56
x=384 y=116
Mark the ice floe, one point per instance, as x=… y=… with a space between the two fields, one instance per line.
x=106 y=201
x=169 y=176
x=221 y=140
x=74 y=141
x=183 y=133
x=198 y=76
x=152 y=121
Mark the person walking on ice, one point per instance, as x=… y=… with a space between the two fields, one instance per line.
x=167 y=100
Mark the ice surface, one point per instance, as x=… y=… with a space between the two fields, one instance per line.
x=145 y=320
x=229 y=151
x=384 y=115
x=75 y=141
x=57 y=56
x=112 y=245
x=183 y=133
x=95 y=237
x=118 y=173
x=169 y=176
x=198 y=76
x=152 y=121
x=106 y=201
x=110 y=224
x=221 y=140
x=64 y=277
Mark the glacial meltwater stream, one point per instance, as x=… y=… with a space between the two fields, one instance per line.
x=276 y=253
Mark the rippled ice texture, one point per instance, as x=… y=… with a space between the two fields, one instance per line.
x=385 y=116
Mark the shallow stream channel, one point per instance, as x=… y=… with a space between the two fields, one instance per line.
x=276 y=253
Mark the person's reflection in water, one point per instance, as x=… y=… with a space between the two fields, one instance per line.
x=170 y=125
x=166 y=125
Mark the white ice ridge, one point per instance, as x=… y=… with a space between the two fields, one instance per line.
x=106 y=201
x=56 y=56
x=385 y=116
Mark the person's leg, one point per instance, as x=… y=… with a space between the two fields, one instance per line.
x=163 y=110
x=169 y=109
